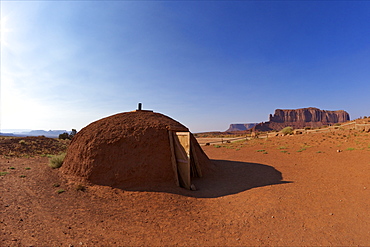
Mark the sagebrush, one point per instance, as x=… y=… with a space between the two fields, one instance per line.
x=57 y=160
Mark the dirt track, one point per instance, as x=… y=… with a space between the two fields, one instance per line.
x=287 y=191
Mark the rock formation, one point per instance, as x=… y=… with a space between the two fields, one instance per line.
x=304 y=117
x=241 y=127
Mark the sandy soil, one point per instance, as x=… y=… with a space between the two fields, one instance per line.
x=286 y=191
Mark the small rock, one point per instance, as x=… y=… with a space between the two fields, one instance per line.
x=331 y=214
x=192 y=187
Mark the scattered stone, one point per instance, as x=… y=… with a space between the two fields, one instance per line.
x=192 y=187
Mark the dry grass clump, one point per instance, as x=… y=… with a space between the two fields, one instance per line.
x=57 y=160
x=287 y=131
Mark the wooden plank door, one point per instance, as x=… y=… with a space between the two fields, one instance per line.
x=182 y=154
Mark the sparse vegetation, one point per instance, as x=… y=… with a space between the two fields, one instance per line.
x=60 y=191
x=261 y=150
x=57 y=161
x=80 y=187
x=22 y=176
x=68 y=136
x=287 y=131
x=350 y=149
x=31 y=146
x=27 y=168
x=3 y=173
x=22 y=142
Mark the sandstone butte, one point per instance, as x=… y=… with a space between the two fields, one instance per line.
x=300 y=118
x=241 y=127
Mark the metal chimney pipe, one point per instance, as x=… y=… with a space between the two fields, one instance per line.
x=139 y=107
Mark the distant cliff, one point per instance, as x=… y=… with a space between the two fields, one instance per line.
x=50 y=133
x=300 y=118
x=241 y=127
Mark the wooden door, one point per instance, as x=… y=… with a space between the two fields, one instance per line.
x=181 y=153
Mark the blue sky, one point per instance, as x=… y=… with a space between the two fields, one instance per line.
x=206 y=64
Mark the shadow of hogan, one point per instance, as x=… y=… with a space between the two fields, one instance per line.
x=231 y=177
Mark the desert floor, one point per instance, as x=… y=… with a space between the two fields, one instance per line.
x=286 y=191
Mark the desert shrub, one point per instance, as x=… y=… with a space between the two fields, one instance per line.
x=57 y=161
x=81 y=187
x=22 y=142
x=337 y=124
x=287 y=131
x=65 y=135
x=307 y=128
x=73 y=133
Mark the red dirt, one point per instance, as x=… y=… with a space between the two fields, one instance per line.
x=298 y=191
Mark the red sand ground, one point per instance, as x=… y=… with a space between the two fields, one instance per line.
x=286 y=191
